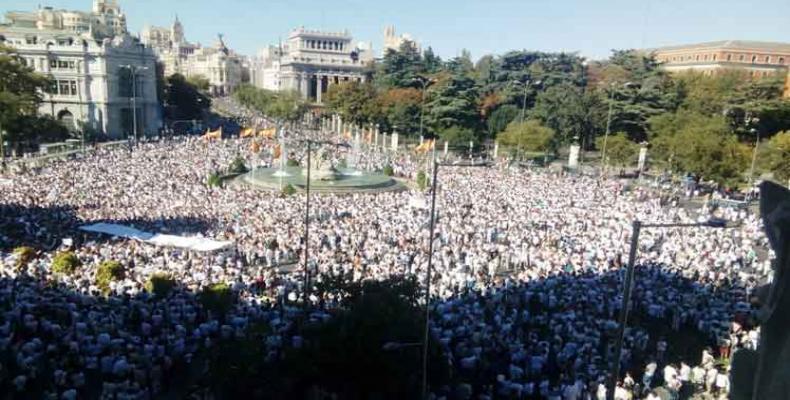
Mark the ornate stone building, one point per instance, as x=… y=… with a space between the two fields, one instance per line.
x=311 y=61
x=221 y=66
x=392 y=41
x=758 y=58
x=95 y=65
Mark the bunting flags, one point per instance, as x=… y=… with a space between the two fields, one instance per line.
x=247 y=132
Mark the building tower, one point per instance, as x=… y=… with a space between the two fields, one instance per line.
x=177 y=31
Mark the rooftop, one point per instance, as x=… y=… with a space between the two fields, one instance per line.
x=731 y=44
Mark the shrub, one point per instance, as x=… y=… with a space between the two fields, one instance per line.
x=289 y=190
x=217 y=297
x=291 y=163
x=422 y=180
x=214 y=180
x=107 y=272
x=388 y=170
x=237 y=166
x=24 y=255
x=66 y=262
x=160 y=284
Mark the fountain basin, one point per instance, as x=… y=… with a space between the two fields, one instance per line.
x=343 y=180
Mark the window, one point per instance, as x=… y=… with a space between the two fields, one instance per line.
x=714 y=57
x=741 y=58
x=73 y=87
x=729 y=57
x=696 y=58
x=53 y=63
x=754 y=59
x=781 y=60
x=767 y=59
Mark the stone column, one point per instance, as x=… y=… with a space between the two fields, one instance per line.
x=318 y=87
x=496 y=150
x=376 y=136
x=303 y=86
x=445 y=148
x=642 y=157
x=394 y=141
x=573 y=157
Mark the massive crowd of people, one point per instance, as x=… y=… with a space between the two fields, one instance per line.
x=527 y=273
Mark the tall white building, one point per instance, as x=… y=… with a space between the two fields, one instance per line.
x=393 y=41
x=92 y=60
x=221 y=66
x=309 y=62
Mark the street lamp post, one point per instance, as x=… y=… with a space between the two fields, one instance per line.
x=133 y=70
x=306 y=277
x=637 y=227
x=756 y=132
x=432 y=227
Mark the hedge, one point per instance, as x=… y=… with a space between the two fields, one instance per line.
x=108 y=271
x=160 y=284
x=65 y=262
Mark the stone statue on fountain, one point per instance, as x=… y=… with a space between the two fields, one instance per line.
x=321 y=167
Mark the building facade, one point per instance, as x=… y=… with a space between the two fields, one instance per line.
x=103 y=78
x=223 y=68
x=312 y=61
x=757 y=58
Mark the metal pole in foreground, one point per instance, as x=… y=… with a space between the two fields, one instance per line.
x=134 y=102
x=426 y=336
x=307 y=228
x=629 y=277
x=606 y=135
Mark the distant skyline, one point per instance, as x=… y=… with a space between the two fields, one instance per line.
x=591 y=28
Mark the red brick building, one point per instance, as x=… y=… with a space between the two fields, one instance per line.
x=758 y=58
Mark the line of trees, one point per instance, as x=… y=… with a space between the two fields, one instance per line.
x=540 y=102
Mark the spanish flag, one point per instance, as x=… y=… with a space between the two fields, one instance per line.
x=247 y=132
x=213 y=134
x=267 y=133
x=277 y=151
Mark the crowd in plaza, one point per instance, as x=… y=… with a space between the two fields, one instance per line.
x=526 y=280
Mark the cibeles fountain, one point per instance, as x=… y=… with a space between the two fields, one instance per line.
x=325 y=175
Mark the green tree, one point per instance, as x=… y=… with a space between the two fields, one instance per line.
x=218 y=298
x=620 y=151
x=452 y=101
x=286 y=106
x=402 y=107
x=774 y=156
x=571 y=112
x=356 y=102
x=457 y=135
x=199 y=82
x=401 y=68
x=700 y=144
x=502 y=117
x=160 y=284
x=529 y=135
x=183 y=100
x=66 y=262
x=21 y=92
x=108 y=271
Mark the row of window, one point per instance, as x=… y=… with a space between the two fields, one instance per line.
x=323 y=45
x=65 y=87
x=61 y=64
x=730 y=57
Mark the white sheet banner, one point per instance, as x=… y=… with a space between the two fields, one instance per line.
x=196 y=243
